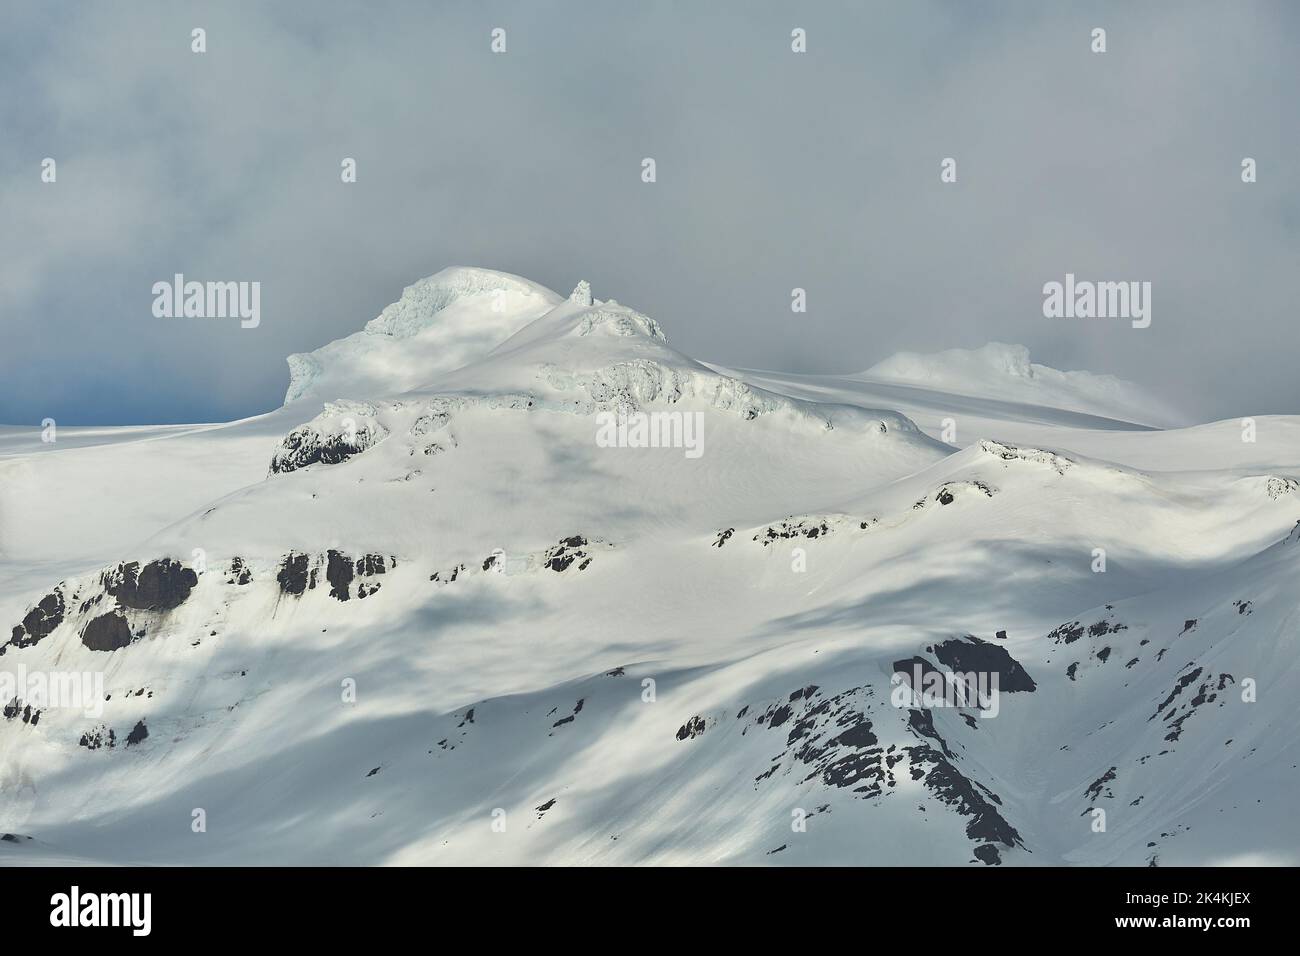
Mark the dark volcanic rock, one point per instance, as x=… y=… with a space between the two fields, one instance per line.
x=988 y=854
x=907 y=670
x=338 y=571
x=692 y=728
x=1095 y=788
x=293 y=573
x=307 y=446
x=809 y=528
x=101 y=736
x=921 y=722
x=566 y=552
x=968 y=798
x=1071 y=631
x=18 y=708
x=372 y=564
x=41 y=620
x=971 y=655
x=240 y=573
x=138 y=733
x=108 y=632
x=158 y=586
x=829 y=739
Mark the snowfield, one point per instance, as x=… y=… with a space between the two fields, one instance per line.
x=420 y=615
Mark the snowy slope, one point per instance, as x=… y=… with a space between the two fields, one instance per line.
x=1004 y=372
x=564 y=652
x=439 y=324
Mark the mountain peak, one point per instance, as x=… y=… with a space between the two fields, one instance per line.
x=581 y=293
x=440 y=323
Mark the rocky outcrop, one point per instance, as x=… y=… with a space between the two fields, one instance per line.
x=343 y=430
x=41 y=620
x=159 y=586
x=969 y=655
x=299 y=573
x=108 y=632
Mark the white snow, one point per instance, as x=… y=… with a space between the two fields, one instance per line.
x=533 y=582
x=439 y=324
x=1004 y=371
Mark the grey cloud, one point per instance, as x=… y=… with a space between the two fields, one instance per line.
x=775 y=171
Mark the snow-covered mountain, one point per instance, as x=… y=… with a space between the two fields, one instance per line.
x=1005 y=372
x=449 y=605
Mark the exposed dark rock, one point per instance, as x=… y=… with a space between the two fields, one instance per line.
x=988 y=855
x=566 y=553
x=19 y=709
x=809 y=528
x=969 y=799
x=971 y=655
x=1067 y=633
x=830 y=738
x=41 y=620
x=108 y=632
x=240 y=573
x=100 y=736
x=577 y=709
x=159 y=586
x=293 y=573
x=339 y=571
x=372 y=564
x=446 y=577
x=1094 y=790
x=907 y=669
x=308 y=445
x=138 y=733
x=1070 y=632
x=1206 y=693
x=948 y=492
x=921 y=723
x=1178 y=689
x=692 y=728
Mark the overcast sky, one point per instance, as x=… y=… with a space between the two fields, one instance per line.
x=775 y=170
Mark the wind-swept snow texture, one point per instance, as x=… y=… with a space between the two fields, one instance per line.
x=469 y=598
x=1005 y=372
